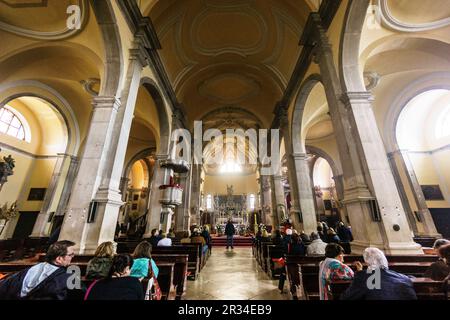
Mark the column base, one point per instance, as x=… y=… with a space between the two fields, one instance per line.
x=428 y=235
x=402 y=248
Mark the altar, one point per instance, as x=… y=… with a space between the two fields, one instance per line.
x=232 y=207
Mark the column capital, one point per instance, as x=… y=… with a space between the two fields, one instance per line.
x=106 y=102
x=138 y=51
x=357 y=97
x=277 y=177
x=299 y=156
x=161 y=156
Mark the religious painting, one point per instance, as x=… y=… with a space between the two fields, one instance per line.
x=136 y=197
x=432 y=192
x=134 y=206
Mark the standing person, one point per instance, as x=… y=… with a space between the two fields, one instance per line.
x=99 y=266
x=44 y=281
x=230 y=231
x=118 y=285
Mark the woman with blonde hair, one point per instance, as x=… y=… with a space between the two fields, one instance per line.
x=99 y=266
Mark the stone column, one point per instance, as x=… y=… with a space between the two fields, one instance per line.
x=101 y=166
x=296 y=211
x=367 y=177
x=266 y=198
x=400 y=162
x=280 y=200
x=68 y=186
x=305 y=193
x=195 y=193
x=60 y=171
x=160 y=176
x=182 y=212
x=339 y=185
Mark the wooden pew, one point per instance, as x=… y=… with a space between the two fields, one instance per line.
x=426 y=289
x=194 y=258
x=180 y=269
x=11 y=249
x=165 y=277
x=273 y=252
x=305 y=270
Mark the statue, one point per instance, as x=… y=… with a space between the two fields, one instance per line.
x=6 y=169
x=230 y=190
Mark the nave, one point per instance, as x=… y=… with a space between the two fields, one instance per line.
x=233 y=275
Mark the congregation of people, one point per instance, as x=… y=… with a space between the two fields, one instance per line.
x=330 y=244
x=109 y=276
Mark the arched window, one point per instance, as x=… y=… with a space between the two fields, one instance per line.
x=252 y=201
x=443 y=126
x=209 y=202
x=14 y=124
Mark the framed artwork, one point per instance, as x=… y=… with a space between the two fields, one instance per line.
x=135 y=197
x=36 y=194
x=134 y=206
x=432 y=192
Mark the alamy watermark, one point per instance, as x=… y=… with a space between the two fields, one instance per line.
x=73 y=22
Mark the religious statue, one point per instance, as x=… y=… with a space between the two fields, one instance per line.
x=8 y=214
x=6 y=169
x=230 y=190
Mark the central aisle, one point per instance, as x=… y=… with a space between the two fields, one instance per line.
x=233 y=275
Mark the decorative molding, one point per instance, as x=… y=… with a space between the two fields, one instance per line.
x=46 y=35
x=393 y=23
x=25 y=153
x=243 y=9
x=373 y=79
x=88 y=84
x=253 y=84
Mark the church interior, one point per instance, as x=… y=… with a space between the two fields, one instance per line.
x=114 y=122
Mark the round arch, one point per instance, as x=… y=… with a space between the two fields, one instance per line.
x=350 y=74
x=299 y=107
x=17 y=89
x=438 y=80
x=163 y=117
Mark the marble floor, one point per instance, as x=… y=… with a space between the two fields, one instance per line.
x=233 y=275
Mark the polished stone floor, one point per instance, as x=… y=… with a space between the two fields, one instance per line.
x=233 y=275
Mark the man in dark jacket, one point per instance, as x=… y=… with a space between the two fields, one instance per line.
x=230 y=231
x=44 y=281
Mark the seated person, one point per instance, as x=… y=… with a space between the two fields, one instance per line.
x=440 y=269
x=305 y=238
x=277 y=239
x=99 y=266
x=171 y=234
x=197 y=238
x=142 y=256
x=44 y=281
x=296 y=247
x=154 y=238
x=332 y=268
x=118 y=285
x=186 y=238
x=317 y=246
x=392 y=285
x=165 y=241
x=332 y=236
x=265 y=236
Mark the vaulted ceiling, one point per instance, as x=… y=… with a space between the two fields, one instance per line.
x=229 y=53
